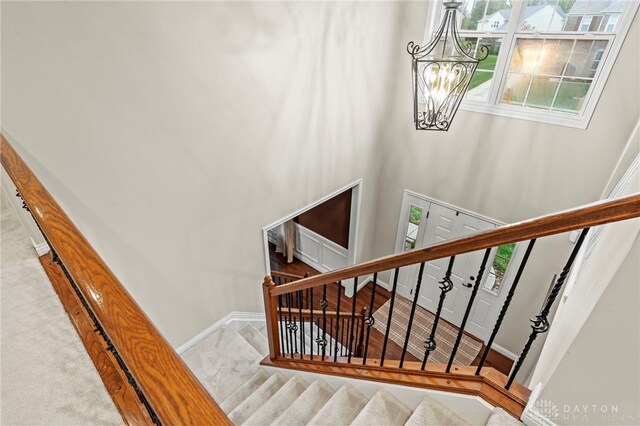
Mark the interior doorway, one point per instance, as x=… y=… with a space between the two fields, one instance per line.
x=425 y=221
x=317 y=238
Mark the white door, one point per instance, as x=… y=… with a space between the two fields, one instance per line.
x=439 y=223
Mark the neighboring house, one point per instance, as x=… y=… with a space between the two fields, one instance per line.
x=597 y=15
x=536 y=17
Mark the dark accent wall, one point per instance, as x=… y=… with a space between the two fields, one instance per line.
x=330 y=219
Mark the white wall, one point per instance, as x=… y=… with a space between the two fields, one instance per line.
x=171 y=133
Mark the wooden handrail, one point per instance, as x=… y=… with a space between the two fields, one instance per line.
x=286 y=275
x=599 y=213
x=174 y=393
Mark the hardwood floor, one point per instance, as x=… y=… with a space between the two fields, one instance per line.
x=363 y=300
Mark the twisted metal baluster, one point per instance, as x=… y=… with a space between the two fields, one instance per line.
x=468 y=310
x=540 y=324
x=324 y=303
x=506 y=304
x=318 y=339
x=445 y=287
x=386 y=333
x=292 y=327
x=413 y=311
x=369 y=320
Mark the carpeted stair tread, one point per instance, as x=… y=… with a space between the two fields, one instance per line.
x=431 y=412
x=383 y=409
x=499 y=417
x=279 y=402
x=246 y=408
x=342 y=408
x=306 y=405
x=223 y=361
x=244 y=391
x=255 y=339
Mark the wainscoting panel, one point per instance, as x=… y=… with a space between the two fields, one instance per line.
x=317 y=251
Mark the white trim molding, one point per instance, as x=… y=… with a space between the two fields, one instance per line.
x=226 y=320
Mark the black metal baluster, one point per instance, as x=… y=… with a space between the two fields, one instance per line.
x=318 y=340
x=506 y=304
x=342 y=342
x=468 y=310
x=331 y=333
x=370 y=321
x=292 y=327
x=445 y=287
x=302 y=336
x=540 y=324
x=353 y=317
x=324 y=304
x=386 y=333
x=311 y=321
x=411 y=314
x=282 y=342
x=335 y=349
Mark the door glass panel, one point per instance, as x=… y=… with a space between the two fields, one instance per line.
x=415 y=216
x=499 y=268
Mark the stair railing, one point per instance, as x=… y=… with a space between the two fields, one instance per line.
x=147 y=380
x=582 y=218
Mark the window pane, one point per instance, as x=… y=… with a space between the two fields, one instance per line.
x=571 y=95
x=586 y=58
x=542 y=91
x=480 y=85
x=483 y=15
x=526 y=56
x=499 y=267
x=570 y=15
x=516 y=89
x=554 y=56
x=545 y=15
x=415 y=216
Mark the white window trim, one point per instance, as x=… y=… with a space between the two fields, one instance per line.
x=580 y=121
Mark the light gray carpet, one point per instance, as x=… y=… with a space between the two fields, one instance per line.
x=46 y=375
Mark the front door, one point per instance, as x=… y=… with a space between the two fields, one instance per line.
x=425 y=222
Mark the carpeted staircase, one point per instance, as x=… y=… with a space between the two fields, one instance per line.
x=227 y=363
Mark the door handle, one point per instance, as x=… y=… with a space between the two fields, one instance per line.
x=469 y=285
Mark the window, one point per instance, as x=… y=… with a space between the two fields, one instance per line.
x=499 y=267
x=586 y=23
x=415 y=216
x=611 y=23
x=548 y=59
x=596 y=59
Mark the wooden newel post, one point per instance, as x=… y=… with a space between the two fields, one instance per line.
x=271 y=317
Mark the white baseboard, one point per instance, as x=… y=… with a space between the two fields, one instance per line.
x=41 y=249
x=504 y=352
x=227 y=319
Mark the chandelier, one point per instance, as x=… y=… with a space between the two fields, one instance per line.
x=442 y=71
